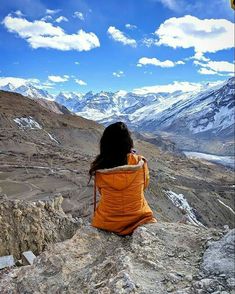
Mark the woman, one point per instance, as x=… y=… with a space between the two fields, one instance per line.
x=121 y=177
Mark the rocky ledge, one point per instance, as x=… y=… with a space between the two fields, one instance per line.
x=27 y=225
x=157 y=258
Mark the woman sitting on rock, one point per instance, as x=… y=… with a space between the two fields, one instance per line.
x=121 y=177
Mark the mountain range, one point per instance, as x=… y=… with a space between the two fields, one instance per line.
x=193 y=119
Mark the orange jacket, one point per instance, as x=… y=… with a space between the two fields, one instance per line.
x=122 y=206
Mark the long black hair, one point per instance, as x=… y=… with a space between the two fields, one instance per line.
x=115 y=144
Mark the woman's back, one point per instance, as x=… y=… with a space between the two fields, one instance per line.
x=122 y=206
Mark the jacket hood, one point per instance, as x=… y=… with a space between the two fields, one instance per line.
x=121 y=177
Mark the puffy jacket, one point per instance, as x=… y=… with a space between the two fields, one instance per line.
x=122 y=206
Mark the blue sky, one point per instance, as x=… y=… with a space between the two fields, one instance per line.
x=115 y=45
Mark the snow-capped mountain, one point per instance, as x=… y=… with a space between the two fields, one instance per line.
x=28 y=90
x=204 y=112
x=210 y=112
x=69 y=99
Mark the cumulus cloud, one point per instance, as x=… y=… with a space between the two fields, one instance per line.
x=221 y=68
x=80 y=82
x=118 y=74
x=77 y=63
x=156 y=62
x=78 y=14
x=61 y=18
x=130 y=26
x=40 y=34
x=119 y=36
x=204 y=35
x=58 y=79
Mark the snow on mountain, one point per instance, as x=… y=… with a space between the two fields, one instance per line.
x=210 y=111
x=8 y=87
x=28 y=90
x=70 y=100
x=197 y=111
x=27 y=122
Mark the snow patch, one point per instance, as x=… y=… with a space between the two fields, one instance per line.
x=52 y=138
x=181 y=202
x=233 y=212
x=27 y=122
x=221 y=120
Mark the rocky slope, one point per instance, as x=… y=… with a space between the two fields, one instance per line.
x=157 y=258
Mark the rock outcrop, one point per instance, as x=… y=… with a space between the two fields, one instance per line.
x=157 y=258
x=31 y=225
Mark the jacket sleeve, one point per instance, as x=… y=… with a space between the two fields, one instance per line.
x=146 y=175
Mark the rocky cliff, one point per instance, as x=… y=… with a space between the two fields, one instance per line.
x=31 y=225
x=158 y=258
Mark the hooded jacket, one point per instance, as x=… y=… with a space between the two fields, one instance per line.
x=122 y=206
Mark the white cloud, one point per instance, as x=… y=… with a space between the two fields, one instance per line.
x=130 y=26
x=207 y=35
x=19 y=13
x=61 y=18
x=17 y=82
x=172 y=4
x=51 y=11
x=169 y=88
x=27 y=29
x=77 y=63
x=80 y=82
x=149 y=42
x=223 y=66
x=40 y=34
x=47 y=17
x=215 y=67
x=46 y=85
x=157 y=62
x=118 y=74
x=79 y=15
x=180 y=62
x=119 y=36
x=176 y=86
x=58 y=79
x=199 y=56
x=205 y=71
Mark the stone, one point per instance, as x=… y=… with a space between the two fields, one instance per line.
x=220 y=255
x=28 y=257
x=6 y=261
